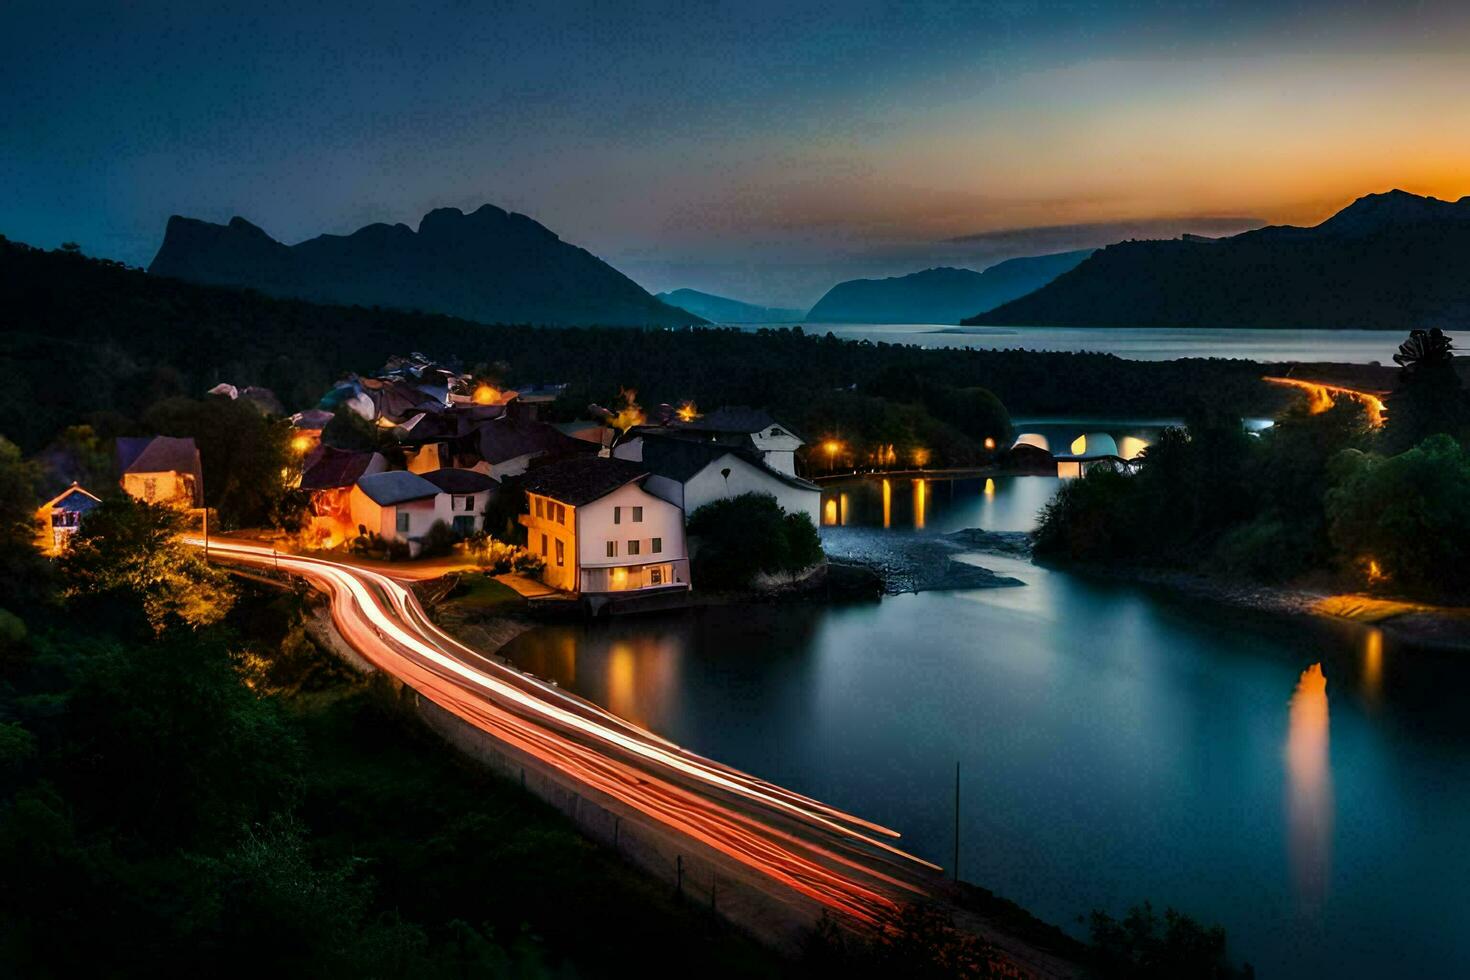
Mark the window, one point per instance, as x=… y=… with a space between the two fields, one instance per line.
x=469 y=502
x=561 y=514
x=150 y=488
x=617 y=515
x=543 y=546
x=612 y=549
x=656 y=546
x=560 y=554
x=633 y=547
x=464 y=526
x=637 y=515
x=655 y=576
x=402 y=519
x=538 y=507
x=775 y=430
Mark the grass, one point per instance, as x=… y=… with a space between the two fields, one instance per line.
x=480 y=595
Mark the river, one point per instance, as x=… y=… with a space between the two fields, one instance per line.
x=1137 y=343
x=1302 y=784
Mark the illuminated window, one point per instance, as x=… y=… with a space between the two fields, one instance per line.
x=656 y=576
x=632 y=547
x=612 y=549
x=560 y=554
x=637 y=515
x=656 y=546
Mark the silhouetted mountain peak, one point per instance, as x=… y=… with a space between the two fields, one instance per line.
x=489 y=265
x=1374 y=212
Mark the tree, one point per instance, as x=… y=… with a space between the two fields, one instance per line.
x=131 y=551
x=1135 y=948
x=1430 y=397
x=741 y=537
x=1409 y=513
x=22 y=570
x=247 y=457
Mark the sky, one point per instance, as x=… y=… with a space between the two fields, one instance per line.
x=760 y=150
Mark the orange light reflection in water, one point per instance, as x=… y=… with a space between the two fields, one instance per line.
x=887 y=504
x=1373 y=664
x=921 y=493
x=1309 y=804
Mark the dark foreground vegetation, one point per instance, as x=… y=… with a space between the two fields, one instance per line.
x=1326 y=494
x=114 y=342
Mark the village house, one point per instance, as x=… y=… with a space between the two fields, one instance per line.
x=739 y=428
x=62 y=515
x=396 y=505
x=328 y=476
x=600 y=531
x=162 y=470
x=507 y=446
x=463 y=497
x=690 y=474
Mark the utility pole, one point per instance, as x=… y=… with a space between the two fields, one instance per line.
x=957 y=821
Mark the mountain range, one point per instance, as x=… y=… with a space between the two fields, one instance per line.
x=490 y=265
x=721 y=309
x=941 y=295
x=1392 y=261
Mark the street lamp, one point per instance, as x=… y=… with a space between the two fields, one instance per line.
x=831 y=445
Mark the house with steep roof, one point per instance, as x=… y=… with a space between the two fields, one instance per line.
x=161 y=469
x=61 y=516
x=328 y=476
x=738 y=427
x=600 y=531
x=690 y=474
x=507 y=446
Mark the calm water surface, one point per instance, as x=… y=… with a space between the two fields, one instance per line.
x=1137 y=343
x=1305 y=786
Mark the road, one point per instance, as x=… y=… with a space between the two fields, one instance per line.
x=846 y=864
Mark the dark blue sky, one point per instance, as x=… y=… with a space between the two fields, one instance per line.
x=757 y=148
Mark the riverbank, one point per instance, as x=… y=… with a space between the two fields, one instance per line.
x=1420 y=624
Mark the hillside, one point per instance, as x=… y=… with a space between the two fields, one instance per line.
x=721 y=309
x=1393 y=261
x=942 y=295
x=490 y=265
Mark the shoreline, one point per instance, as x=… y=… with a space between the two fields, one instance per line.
x=1438 y=628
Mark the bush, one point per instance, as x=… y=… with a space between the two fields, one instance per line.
x=438 y=541
x=529 y=563
x=1410 y=513
x=742 y=537
x=1135 y=948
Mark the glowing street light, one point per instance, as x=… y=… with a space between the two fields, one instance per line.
x=831 y=446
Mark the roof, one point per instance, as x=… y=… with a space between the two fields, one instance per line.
x=582 y=479
x=681 y=459
x=74 y=498
x=396 y=487
x=460 y=481
x=327 y=468
x=732 y=418
x=502 y=439
x=157 y=454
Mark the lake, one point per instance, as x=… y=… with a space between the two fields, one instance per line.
x=1303 y=784
x=1137 y=343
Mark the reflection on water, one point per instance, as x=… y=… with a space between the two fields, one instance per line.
x=1002 y=503
x=1373 y=664
x=1309 y=808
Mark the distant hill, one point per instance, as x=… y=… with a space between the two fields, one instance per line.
x=941 y=295
x=720 y=309
x=491 y=265
x=1393 y=261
